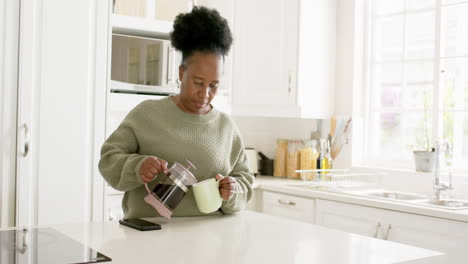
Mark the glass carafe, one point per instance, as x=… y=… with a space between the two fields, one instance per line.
x=170 y=190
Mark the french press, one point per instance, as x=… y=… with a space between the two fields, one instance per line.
x=171 y=190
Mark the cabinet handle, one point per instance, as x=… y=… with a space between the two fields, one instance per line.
x=289 y=83
x=388 y=231
x=377 y=230
x=25 y=147
x=286 y=202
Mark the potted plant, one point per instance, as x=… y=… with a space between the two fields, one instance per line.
x=424 y=159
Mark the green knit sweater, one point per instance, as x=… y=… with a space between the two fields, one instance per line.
x=160 y=128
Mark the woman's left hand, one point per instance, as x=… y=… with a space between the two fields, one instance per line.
x=227 y=185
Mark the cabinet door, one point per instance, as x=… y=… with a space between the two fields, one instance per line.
x=61 y=100
x=350 y=218
x=9 y=24
x=226 y=10
x=265 y=57
x=427 y=232
x=288 y=206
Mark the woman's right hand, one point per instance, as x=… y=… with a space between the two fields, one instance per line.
x=152 y=166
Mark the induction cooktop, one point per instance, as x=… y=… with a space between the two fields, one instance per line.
x=44 y=246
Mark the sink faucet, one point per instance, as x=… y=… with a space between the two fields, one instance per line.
x=438 y=184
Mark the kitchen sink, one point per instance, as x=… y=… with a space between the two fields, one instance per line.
x=446 y=204
x=394 y=195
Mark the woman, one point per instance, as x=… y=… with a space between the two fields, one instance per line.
x=182 y=127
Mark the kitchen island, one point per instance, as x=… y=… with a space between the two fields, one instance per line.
x=246 y=237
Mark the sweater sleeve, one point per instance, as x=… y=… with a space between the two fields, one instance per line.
x=244 y=180
x=120 y=163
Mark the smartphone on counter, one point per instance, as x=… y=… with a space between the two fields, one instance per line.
x=140 y=224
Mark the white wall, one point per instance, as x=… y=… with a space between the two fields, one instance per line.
x=261 y=133
x=349 y=66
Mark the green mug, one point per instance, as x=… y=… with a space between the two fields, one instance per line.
x=207 y=195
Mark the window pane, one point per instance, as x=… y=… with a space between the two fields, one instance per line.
x=448 y=122
x=444 y=2
x=387 y=85
x=454 y=35
x=454 y=83
x=419 y=73
x=386 y=6
x=388 y=137
x=418 y=130
x=465 y=141
x=396 y=135
x=420 y=33
x=418 y=96
x=419 y=85
x=419 y=4
x=388 y=38
x=455 y=129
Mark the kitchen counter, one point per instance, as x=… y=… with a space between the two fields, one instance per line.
x=246 y=237
x=298 y=188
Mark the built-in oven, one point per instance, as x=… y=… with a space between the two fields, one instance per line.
x=143 y=65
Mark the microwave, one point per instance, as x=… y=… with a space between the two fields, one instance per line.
x=142 y=65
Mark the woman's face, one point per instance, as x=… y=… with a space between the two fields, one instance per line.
x=199 y=82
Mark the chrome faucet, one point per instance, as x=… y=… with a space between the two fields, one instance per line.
x=438 y=184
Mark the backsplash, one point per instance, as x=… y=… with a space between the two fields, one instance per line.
x=261 y=133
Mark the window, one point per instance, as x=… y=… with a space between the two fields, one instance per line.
x=417 y=80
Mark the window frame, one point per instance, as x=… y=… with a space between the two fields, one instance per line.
x=369 y=68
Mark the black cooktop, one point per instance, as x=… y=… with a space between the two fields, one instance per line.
x=44 y=246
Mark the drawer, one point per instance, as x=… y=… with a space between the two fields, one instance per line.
x=288 y=206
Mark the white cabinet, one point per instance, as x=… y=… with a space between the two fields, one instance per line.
x=222 y=101
x=265 y=57
x=421 y=231
x=275 y=42
x=427 y=232
x=61 y=110
x=289 y=206
x=163 y=10
x=9 y=24
x=350 y=218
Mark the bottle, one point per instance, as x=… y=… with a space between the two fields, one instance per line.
x=319 y=158
x=326 y=160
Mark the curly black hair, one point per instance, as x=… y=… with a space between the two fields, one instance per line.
x=203 y=29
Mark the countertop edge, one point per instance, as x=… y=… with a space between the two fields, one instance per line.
x=288 y=187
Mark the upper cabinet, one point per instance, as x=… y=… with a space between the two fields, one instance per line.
x=147 y=18
x=226 y=10
x=284 y=58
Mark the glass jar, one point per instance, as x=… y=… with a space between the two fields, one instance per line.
x=308 y=155
x=280 y=161
x=292 y=164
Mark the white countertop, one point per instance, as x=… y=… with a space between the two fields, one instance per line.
x=298 y=188
x=246 y=237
